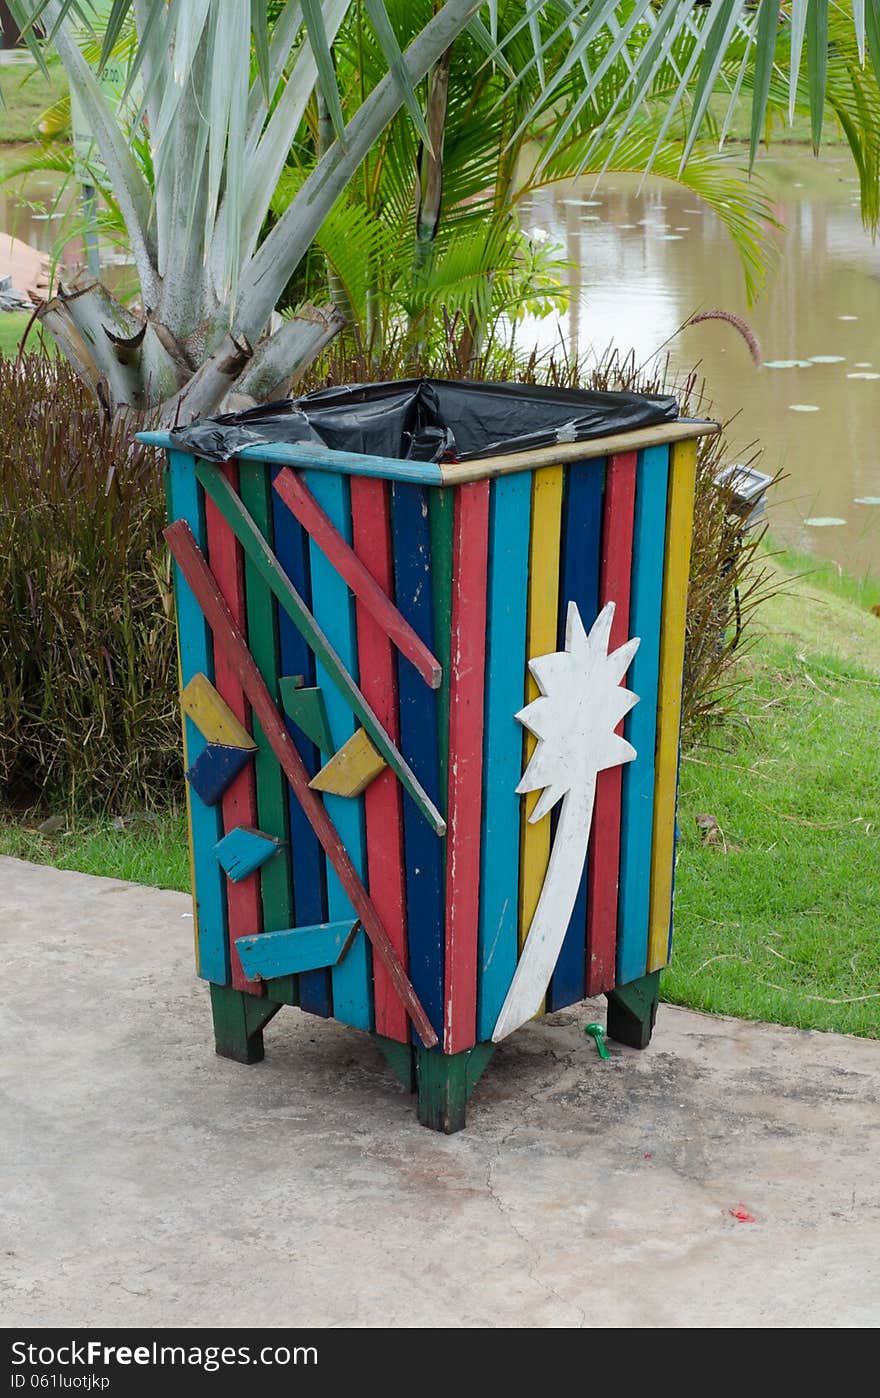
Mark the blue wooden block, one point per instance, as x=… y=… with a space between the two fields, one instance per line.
x=297 y=949
x=582 y=532
x=214 y=769
x=243 y=850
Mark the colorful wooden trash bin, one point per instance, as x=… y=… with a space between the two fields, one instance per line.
x=421 y=800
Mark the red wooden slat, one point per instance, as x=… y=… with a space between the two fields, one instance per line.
x=228 y=637
x=383 y=802
x=604 y=860
x=365 y=586
x=239 y=804
x=466 y=680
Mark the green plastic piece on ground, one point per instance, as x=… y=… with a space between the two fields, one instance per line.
x=595 y=1031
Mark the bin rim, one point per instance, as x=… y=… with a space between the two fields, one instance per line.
x=312 y=455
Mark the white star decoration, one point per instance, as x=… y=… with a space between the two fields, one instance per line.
x=581 y=703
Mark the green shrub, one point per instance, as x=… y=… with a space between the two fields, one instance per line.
x=88 y=712
x=88 y=668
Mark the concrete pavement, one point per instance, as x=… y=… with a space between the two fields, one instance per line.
x=144 y=1181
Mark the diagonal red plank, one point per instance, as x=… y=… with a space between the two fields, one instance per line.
x=305 y=507
x=195 y=570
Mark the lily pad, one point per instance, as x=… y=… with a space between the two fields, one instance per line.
x=823 y=521
x=804 y=407
x=847 y=317
x=827 y=359
x=867 y=500
x=786 y=363
x=671 y=238
x=864 y=374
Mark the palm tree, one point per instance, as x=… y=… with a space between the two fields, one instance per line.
x=582 y=702
x=219 y=128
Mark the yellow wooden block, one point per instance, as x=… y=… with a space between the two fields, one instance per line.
x=543 y=613
x=212 y=716
x=351 y=769
x=679 y=528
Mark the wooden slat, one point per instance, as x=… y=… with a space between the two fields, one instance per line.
x=169 y=512
x=543 y=612
x=637 y=815
x=196 y=657
x=581 y=538
x=296 y=951
x=441 y=517
x=261 y=557
x=276 y=881
x=371 y=596
x=312 y=454
x=226 y=634
x=509 y=525
x=334 y=613
x=603 y=872
x=465 y=766
x=458 y=472
x=383 y=804
x=419 y=739
x=679 y=526
x=312 y=990
x=239 y=804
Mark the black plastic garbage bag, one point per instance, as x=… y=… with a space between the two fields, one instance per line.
x=429 y=419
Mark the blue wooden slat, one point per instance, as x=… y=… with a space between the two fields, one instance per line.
x=296 y=950
x=641 y=724
x=309 y=866
x=197 y=656
x=334 y=612
x=323 y=459
x=509 y=526
x=419 y=740
x=579 y=582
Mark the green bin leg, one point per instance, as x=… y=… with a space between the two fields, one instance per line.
x=445 y=1082
x=632 y=1010
x=239 y=1020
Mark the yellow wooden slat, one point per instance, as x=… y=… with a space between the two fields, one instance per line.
x=679 y=528
x=543 y=613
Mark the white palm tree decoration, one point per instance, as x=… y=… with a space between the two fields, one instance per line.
x=582 y=701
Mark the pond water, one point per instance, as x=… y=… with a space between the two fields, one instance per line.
x=644 y=262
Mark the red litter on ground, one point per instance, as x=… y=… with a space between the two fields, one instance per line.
x=741 y=1215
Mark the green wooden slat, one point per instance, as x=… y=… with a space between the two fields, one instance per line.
x=441 y=508
x=261 y=562
x=275 y=880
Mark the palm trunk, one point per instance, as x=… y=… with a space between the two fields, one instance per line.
x=553 y=913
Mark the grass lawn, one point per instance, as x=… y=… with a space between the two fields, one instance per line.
x=146 y=849
x=12 y=326
x=776 y=918
x=26 y=95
